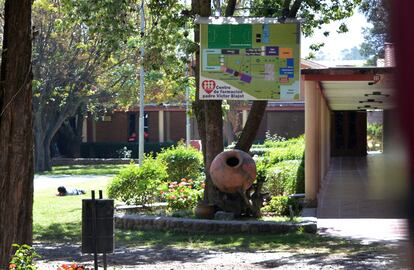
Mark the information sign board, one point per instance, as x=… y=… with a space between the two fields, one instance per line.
x=249 y=59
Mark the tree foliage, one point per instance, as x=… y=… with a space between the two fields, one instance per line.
x=378 y=14
x=85 y=57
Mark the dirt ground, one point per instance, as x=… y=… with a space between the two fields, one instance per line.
x=182 y=259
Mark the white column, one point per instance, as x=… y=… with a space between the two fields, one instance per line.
x=311 y=141
x=161 y=126
x=85 y=130
x=93 y=130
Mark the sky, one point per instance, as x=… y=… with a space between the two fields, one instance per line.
x=335 y=42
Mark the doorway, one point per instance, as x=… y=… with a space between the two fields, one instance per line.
x=349 y=133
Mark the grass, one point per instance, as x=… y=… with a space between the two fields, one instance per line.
x=101 y=169
x=58 y=219
x=297 y=242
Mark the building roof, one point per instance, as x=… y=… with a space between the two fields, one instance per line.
x=361 y=88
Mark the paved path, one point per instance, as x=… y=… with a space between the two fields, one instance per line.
x=162 y=258
x=360 y=187
x=352 y=202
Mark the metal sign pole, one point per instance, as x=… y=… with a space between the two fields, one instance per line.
x=95 y=248
x=187 y=108
x=141 y=91
x=104 y=252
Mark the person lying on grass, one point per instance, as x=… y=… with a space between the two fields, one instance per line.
x=62 y=191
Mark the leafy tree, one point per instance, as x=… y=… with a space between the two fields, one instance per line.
x=86 y=60
x=378 y=14
x=16 y=142
x=351 y=54
x=66 y=60
x=209 y=116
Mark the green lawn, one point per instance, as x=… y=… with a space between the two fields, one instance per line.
x=58 y=220
x=100 y=169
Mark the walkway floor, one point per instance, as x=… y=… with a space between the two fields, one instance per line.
x=351 y=202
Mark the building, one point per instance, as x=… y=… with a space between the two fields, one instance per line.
x=166 y=122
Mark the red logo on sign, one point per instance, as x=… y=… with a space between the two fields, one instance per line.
x=208 y=85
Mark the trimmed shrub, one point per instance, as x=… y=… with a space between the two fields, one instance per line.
x=139 y=185
x=285 y=178
x=182 y=162
x=292 y=151
x=261 y=170
x=279 y=206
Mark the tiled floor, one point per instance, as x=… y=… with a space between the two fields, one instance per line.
x=349 y=190
x=354 y=201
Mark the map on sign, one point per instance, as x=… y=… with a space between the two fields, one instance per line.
x=249 y=61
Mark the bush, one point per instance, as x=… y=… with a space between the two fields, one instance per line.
x=261 y=170
x=23 y=258
x=285 y=178
x=292 y=150
x=182 y=162
x=139 y=185
x=279 y=206
x=374 y=137
x=183 y=195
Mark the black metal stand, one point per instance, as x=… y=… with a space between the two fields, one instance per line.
x=97 y=212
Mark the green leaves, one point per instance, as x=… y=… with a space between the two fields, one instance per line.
x=23 y=258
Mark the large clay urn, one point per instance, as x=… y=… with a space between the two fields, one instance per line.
x=233 y=171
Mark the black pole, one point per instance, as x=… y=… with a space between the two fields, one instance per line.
x=104 y=261
x=104 y=253
x=95 y=249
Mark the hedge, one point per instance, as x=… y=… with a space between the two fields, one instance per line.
x=114 y=149
x=285 y=178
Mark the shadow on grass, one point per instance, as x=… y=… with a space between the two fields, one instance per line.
x=241 y=242
x=58 y=232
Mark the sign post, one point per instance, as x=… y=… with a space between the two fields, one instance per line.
x=249 y=59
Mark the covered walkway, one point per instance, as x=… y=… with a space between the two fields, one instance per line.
x=350 y=204
x=352 y=190
x=356 y=195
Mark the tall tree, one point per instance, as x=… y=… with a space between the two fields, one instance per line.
x=16 y=137
x=377 y=13
x=86 y=59
x=208 y=113
x=66 y=60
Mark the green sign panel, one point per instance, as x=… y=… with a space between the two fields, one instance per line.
x=249 y=59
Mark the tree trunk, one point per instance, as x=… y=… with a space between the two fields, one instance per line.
x=42 y=152
x=202 y=8
x=252 y=125
x=214 y=143
x=16 y=135
x=47 y=122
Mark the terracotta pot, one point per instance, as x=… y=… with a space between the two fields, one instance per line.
x=205 y=211
x=232 y=171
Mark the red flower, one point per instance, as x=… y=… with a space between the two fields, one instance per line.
x=12 y=266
